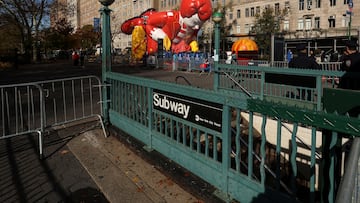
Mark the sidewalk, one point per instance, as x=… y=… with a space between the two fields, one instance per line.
x=121 y=174
x=81 y=165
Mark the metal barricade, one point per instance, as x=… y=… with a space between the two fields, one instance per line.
x=71 y=99
x=22 y=111
x=34 y=107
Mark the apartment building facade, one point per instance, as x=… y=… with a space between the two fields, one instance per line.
x=323 y=24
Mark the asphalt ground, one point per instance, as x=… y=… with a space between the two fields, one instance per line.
x=64 y=69
x=58 y=177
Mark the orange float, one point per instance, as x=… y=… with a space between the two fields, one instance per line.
x=245 y=49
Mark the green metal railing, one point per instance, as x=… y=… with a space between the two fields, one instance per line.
x=283 y=85
x=255 y=152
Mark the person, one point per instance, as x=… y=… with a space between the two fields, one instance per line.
x=350 y=64
x=289 y=55
x=312 y=55
x=303 y=61
x=75 y=58
x=233 y=57
x=82 y=58
x=205 y=65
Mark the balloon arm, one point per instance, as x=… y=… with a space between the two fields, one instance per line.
x=158 y=19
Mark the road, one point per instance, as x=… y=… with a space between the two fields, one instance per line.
x=46 y=71
x=65 y=69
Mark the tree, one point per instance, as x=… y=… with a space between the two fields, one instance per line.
x=28 y=16
x=225 y=27
x=58 y=37
x=86 y=37
x=10 y=37
x=266 y=24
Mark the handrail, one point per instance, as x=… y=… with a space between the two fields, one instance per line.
x=347 y=185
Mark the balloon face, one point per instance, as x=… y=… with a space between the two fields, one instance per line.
x=177 y=29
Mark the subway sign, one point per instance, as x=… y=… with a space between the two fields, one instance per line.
x=201 y=112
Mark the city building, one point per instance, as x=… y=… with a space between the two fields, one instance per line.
x=323 y=24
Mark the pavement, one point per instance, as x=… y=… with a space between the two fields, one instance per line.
x=81 y=165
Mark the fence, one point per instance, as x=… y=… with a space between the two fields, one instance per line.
x=21 y=111
x=247 y=147
x=191 y=63
x=35 y=107
x=279 y=85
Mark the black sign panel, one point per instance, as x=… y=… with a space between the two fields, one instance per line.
x=201 y=112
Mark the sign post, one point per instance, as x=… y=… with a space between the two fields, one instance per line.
x=350 y=12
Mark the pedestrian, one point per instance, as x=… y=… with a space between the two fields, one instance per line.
x=303 y=61
x=289 y=55
x=350 y=64
x=205 y=65
x=312 y=55
x=75 y=58
x=82 y=58
x=233 y=57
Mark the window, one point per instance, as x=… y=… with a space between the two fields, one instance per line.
x=332 y=2
x=238 y=13
x=252 y=12
x=252 y=26
x=287 y=4
x=257 y=10
x=308 y=23
x=286 y=25
x=231 y=16
x=238 y=30
x=309 y=4
x=317 y=3
x=247 y=28
x=247 y=12
x=277 y=8
x=300 y=24
x=287 y=7
x=345 y=21
x=331 y=21
x=301 y=5
x=317 y=22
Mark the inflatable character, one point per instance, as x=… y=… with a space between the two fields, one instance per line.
x=177 y=29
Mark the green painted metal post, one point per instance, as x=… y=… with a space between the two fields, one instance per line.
x=350 y=11
x=349 y=32
x=217 y=17
x=106 y=55
x=226 y=131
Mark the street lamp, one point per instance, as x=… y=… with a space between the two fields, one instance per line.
x=106 y=54
x=216 y=17
x=106 y=2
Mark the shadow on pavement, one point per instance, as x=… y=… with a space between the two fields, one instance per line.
x=57 y=178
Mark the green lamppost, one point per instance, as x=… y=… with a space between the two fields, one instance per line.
x=216 y=17
x=106 y=54
x=350 y=11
